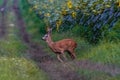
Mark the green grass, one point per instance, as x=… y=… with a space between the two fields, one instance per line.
x=11 y=45
x=1 y=1
x=19 y=69
x=96 y=75
x=105 y=52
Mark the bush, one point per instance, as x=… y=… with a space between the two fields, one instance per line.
x=93 y=19
x=106 y=52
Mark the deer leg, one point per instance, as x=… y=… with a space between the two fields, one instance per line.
x=64 y=56
x=72 y=54
x=58 y=57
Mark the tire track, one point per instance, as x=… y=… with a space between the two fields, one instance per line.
x=3 y=20
x=20 y=22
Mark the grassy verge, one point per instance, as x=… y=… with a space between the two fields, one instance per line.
x=106 y=53
x=1 y=1
x=96 y=75
x=19 y=69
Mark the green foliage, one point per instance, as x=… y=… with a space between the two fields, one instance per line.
x=19 y=69
x=12 y=48
x=35 y=26
x=113 y=34
x=65 y=15
x=105 y=52
x=1 y=1
x=96 y=75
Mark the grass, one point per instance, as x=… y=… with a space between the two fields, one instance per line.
x=1 y=1
x=96 y=75
x=105 y=53
x=19 y=69
x=12 y=45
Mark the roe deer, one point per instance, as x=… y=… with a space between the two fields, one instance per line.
x=61 y=46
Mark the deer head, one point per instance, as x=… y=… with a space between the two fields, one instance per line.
x=46 y=37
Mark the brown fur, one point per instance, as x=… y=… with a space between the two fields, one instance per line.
x=61 y=46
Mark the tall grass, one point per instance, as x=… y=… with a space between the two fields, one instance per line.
x=105 y=52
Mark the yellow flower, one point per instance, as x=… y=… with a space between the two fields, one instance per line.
x=94 y=11
x=35 y=7
x=30 y=9
x=74 y=14
x=69 y=4
x=64 y=12
x=47 y=14
x=107 y=6
x=51 y=1
x=39 y=12
x=44 y=6
x=77 y=7
x=118 y=3
x=58 y=23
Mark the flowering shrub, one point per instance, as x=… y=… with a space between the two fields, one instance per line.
x=93 y=14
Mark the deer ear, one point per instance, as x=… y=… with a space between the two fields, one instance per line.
x=48 y=29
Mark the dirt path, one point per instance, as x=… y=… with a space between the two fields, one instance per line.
x=3 y=20
x=110 y=69
x=54 y=69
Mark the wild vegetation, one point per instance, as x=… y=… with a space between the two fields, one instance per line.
x=93 y=24
x=106 y=50
x=94 y=17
